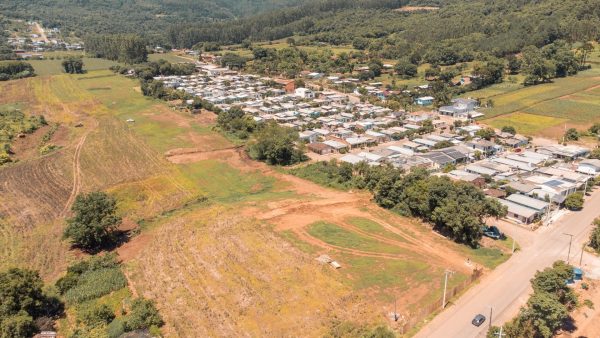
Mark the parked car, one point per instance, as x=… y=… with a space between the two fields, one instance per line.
x=478 y=320
x=492 y=232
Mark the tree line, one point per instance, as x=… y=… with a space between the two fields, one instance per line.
x=12 y=70
x=455 y=209
x=125 y=48
x=148 y=17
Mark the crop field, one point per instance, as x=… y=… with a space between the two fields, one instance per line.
x=545 y=109
x=221 y=236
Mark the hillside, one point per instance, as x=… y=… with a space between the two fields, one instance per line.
x=146 y=16
x=500 y=27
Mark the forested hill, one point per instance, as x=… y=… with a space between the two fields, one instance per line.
x=132 y=16
x=500 y=26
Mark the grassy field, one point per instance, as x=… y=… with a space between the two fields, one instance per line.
x=54 y=67
x=171 y=57
x=545 y=109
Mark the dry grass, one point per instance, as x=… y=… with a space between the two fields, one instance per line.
x=216 y=274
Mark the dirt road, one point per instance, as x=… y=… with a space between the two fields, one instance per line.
x=507 y=288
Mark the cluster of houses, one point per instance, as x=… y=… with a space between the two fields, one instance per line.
x=32 y=45
x=529 y=181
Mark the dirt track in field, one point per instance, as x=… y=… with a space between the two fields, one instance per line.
x=322 y=204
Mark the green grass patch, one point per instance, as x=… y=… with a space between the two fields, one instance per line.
x=172 y=58
x=293 y=239
x=526 y=123
x=488 y=257
x=335 y=235
x=48 y=67
x=575 y=99
x=219 y=181
x=374 y=228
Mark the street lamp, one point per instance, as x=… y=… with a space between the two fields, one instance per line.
x=570 y=241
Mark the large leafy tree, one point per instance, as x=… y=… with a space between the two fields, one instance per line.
x=73 y=65
x=276 y=145
x=95 y=222
x=22 y=300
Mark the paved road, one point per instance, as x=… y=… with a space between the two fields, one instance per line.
x=507 y=288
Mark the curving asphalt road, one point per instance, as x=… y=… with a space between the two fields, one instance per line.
x=507 y=288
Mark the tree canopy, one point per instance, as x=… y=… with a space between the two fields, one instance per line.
x=95 y=221
x=276 y=145
x=22 y=300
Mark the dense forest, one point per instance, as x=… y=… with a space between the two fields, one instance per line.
x=461 y=27
x=150 y=17
x=6 y=52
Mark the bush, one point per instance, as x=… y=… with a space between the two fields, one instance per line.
x=143 y=315
x=95 y=314
x=116 y=328
x=574 y=201
x=276 y=145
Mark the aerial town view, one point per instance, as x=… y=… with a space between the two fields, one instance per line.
x=300 y=168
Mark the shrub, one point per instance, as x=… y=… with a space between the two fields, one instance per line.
x=95 y=314
x=143 y=315
x=116 y=328
x=574 y=201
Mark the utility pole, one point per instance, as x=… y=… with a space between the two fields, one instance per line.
x=513 y=248
x=448 y=272
x=570 y=241
x=581 y=257
x=395 y=311
x=490 y=322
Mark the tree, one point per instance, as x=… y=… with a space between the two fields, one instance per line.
x=509 y=129
x=22 y=300
x=18 y=326
x=443 y=144
x=571 y=135
x=595 y=153
x=513 y=64
x=95 y=222
x=595 y=236
x=73 y=65
x=276 y=145
x=536 y=68
x=574 y=201
x=546 y=313
x=405 y=69
x=486 y=133
x=595 y=129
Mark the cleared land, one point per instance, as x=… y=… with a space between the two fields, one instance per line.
x=222 y=237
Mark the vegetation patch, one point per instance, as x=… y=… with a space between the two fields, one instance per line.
x=338 y=236
x=91 y=279
x=374 y=228
x=528 y=124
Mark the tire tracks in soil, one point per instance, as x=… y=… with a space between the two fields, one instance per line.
x=76 y=165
